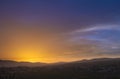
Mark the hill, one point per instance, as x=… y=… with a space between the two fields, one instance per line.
x=10 y=63
x=103 y=68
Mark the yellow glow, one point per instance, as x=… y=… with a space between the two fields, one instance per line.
x=30 y=54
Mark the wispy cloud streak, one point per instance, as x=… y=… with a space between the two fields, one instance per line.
x=97 y=28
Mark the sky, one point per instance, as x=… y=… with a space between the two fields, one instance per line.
x=59 y=30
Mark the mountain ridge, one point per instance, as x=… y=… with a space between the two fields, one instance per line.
x=12 y=63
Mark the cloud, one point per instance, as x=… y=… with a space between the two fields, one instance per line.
x=96 y=40
x=97 y=28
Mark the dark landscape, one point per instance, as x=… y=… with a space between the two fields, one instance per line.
x=103 y=68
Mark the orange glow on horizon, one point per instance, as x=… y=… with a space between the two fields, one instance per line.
x=32 y=55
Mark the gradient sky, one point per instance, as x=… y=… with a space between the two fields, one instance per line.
x=59 y=30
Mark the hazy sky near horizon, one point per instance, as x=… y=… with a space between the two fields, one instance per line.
x=59 y=30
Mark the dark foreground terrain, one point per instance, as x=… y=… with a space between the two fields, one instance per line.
x=105 y=68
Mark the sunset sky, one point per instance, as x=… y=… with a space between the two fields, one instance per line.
x=59 y=30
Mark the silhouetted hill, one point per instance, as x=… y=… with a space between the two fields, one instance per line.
x=103 y=68
x=86 y=63
x=10 y=63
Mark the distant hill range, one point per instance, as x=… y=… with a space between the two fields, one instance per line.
x=10 y=63
x=100 y=68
